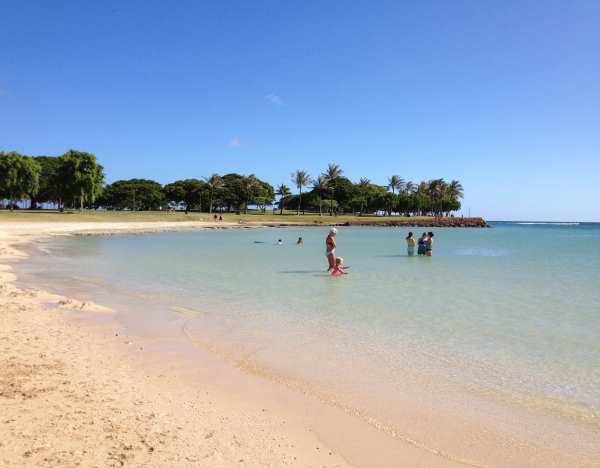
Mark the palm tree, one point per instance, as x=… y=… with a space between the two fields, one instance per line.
x=283 y=191
x=301 y=179
x=422 y=195
x=410 y=189
x=249 y=183
x=332 y=174
x=320 y=185
x=455 y=189
x=363 y=186
x=437 y=192
x=395 y=182
x=214 y=183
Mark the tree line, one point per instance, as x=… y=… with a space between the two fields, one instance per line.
x=76 y=180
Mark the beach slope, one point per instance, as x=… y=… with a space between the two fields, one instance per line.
x=69 y=396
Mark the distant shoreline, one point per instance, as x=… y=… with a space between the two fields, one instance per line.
x=439 y=222
x=157 y=218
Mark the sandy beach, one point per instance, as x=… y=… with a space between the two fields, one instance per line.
x=77 y=388
x=69 y=397
x=300 y=235
x=76 y=392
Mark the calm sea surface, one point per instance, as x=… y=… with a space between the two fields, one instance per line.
x=510 y=313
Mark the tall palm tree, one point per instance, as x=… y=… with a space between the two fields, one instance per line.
x=410 y=189
x=437 y=192
x=395 y=182
x=249 y=183
x=320 y=186
x=301 y=179
x=422 y=194
x=214 y=184
x=332 y=174
x=283 y=191
x=455 y=189
x=363 y=186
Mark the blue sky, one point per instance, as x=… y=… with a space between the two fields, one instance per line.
x=504 y=96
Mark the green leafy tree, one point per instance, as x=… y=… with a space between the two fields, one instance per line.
x=264 y=195
x=320 y=186
x=19 y=176
x=80 y=176
x=133 y=194
x=344 y=191
x=187 y=191
x=49 y=185
x=300 y=179
x=241 y=191
x=231 y=193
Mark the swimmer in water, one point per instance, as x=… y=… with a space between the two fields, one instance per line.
x=279 y=242
x=338 y=269
x=300 y=241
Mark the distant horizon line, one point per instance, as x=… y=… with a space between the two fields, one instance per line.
x=540 y=221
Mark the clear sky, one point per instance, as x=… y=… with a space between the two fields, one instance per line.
x=502 y=95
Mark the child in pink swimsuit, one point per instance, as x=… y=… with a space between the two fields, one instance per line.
x=338 y=269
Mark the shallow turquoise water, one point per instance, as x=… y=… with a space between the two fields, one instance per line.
x=514 y=309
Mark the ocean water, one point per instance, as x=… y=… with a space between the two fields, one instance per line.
x=508 y=316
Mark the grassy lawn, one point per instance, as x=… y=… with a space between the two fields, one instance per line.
x=138 y=216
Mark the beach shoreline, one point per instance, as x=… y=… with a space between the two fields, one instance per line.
x=311 y=428
x=78 y=391
x=70 y=393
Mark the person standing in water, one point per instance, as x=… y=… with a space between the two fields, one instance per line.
x=410 y=244
x=330 y=246
x=429 y=244
x=422 y=249
x=300 y=241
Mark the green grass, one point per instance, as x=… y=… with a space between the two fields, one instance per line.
x=139 y=216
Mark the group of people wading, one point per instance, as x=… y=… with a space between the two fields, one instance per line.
x=336 y=264
x=424 y=244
